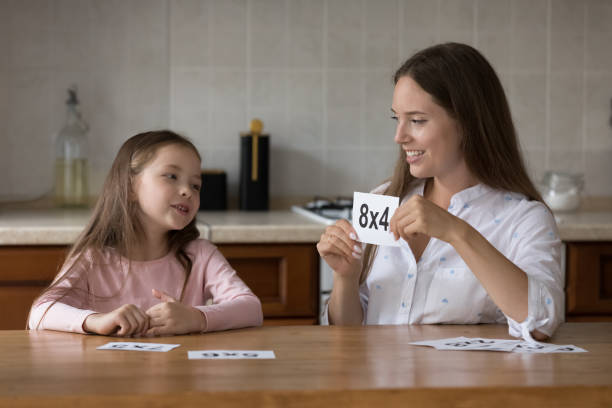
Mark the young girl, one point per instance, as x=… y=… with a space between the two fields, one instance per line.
x=138 y=268
x=477 y=244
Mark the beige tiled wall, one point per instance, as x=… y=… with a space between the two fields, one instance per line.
x=318 y=72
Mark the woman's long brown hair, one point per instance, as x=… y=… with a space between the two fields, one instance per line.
x=462 y=81
x=114 y=222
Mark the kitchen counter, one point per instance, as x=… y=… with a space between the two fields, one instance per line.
x=585 y=225
x=227 y=227
x=61 y=227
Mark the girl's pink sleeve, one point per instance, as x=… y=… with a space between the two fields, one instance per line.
x=60 y=316
x=234 y=304
x=64 y=307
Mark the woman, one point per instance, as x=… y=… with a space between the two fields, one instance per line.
x=477 y=244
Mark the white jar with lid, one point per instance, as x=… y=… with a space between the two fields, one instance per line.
x=561 y=191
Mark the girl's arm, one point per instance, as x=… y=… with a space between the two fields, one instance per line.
x=126 y=320
x=58 y=316
x=234 y=304
x=63 y=306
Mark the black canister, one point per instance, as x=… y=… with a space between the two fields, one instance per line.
x=254 y=169
x=213 y=194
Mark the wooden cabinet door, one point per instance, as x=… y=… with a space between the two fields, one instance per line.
x=24 y=272
x=589 y=281
x=284 y=277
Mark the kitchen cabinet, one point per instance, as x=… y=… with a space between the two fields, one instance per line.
x=589 y=281
x=283 y=276
x=24 y=272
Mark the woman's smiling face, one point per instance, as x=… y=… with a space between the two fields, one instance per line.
x=426 y=132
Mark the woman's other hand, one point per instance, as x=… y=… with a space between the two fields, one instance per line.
x=339 y=247
x=125 y=321
x=418 y=215
x=171 y=317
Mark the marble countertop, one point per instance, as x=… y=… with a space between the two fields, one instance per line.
x=61 y=227
x=585 y=226
x=260 y=227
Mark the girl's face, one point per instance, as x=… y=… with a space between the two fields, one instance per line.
x=168 y=189
x=426 y=132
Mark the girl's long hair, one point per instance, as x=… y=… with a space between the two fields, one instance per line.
x=462 y=81
x=115 y=223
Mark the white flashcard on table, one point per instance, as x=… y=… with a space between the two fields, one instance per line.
x=533 y=348
x=482 y=344
x=372 y=216
x=135 y=346
x=230 y=354
x=478 y=344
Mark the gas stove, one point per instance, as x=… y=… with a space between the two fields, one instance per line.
x=326 y=210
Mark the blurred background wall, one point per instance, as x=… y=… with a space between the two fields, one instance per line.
x=317 y=72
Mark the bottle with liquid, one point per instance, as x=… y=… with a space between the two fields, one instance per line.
x=71 y=184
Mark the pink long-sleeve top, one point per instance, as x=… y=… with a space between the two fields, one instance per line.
x=213 y=287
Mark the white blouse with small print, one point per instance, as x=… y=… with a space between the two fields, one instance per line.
x=441 y=288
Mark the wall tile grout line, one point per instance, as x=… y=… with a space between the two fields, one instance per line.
x=584 y=88
x=325 y=63
x=547 y=85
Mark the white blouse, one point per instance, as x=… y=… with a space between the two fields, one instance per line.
x=441 y=288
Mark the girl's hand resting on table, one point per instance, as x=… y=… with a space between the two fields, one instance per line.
x=418 y=215
x=339 y=247
x=172 y=317
x=125 y=321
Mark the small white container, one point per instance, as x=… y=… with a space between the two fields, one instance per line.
x=561 y=191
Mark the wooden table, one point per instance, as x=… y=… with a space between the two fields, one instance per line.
x=314 y=366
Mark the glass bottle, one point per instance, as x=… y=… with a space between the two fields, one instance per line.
x=71 y=184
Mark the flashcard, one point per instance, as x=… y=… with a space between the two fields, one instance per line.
x=371 y=218
x=568 y=348
x=478 y=344
x=135 y=346
x=465 y=343
x=435 y=343
x=230 y=354
x=526 y=348
x=515 y=346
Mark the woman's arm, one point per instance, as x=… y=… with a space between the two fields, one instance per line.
x=344 y=305
x=339 y=248
x=504 y=281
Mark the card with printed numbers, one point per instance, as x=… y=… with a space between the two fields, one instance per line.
x=478 y=344
x=483 y=344
x=372 y=216
x=231 y=354
x=135 y=346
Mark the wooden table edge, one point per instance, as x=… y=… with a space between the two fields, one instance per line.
x=571 y=396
